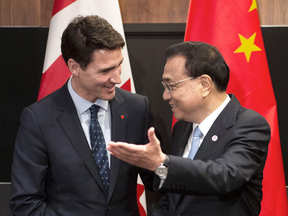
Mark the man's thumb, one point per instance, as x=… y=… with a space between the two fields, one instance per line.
x=151 y=135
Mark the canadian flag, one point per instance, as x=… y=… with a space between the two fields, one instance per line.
x=55 y=72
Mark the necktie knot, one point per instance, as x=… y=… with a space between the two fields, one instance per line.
x=94 y=110
x=197 y=132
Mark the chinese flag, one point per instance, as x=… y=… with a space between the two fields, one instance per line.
x=55 y=72
x=234 y=28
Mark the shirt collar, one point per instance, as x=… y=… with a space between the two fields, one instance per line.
x=81 y=104
x=207 y=123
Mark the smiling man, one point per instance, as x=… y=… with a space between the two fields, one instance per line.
x=218 y=148
x=61 y=165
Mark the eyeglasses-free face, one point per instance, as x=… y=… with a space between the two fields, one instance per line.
x=168 y=86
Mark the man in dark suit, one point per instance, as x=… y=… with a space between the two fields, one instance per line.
x=55 y=169
x=224 y=177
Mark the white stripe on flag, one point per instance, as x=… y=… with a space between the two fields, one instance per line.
x=142 y=198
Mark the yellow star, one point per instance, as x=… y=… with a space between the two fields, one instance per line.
x=253 y=5
x=247 y=46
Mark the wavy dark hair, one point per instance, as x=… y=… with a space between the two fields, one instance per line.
x=86 y=34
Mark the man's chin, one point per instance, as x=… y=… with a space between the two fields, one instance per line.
x=177 y=116
x=109 y=96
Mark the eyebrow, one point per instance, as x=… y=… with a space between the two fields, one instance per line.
x=167 y=79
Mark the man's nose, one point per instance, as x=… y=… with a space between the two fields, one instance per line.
x=115 y=78
x=166 y=94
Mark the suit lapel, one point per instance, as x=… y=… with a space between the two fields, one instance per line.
x=214 y=136
x=182 y=139
x=218 y=130
x=119 y=116
x=69 y=121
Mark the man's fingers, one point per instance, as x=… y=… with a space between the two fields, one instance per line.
x=124 y=151
x=121 y=148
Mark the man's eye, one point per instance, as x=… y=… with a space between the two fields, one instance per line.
x=105 y=71
x=172 y=87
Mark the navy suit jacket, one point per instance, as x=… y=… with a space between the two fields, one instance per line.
x=54 y=172
x=225 y=177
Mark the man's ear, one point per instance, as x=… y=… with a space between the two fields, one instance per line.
x=206 y=83
x=74 y=67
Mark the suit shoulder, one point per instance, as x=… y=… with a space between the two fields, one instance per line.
x=250 y=115
x=248 y=120
x=130 y=98
x=45 y=103
x=126 y=94
x=181 y=123
x=181 y=126
x=235 y=114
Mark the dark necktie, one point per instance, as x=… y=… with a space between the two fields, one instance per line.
x=98 y=147
x=195 y=142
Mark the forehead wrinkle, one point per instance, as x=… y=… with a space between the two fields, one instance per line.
x=112 y=67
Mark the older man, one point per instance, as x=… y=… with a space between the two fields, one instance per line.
x=218 y=148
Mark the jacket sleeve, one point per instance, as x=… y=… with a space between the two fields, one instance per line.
x=29 y=169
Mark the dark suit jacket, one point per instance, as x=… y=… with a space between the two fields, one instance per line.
x=225 y=177
x=53 y=171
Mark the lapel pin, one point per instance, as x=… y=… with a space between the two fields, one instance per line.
x=122 y=117
x=214 y=138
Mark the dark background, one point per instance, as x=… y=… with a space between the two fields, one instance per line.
x=22 y=53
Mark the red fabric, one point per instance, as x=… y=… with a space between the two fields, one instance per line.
x=174 y=120
x=127 y=85
x=140 y=191
x=60 y=4
x=54 y=77
x=226 y=24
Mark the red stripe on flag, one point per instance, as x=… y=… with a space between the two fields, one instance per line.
x=127 y=85
x=60 y=4
x=54 y=77
x=174 y=120
x=140 y=191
